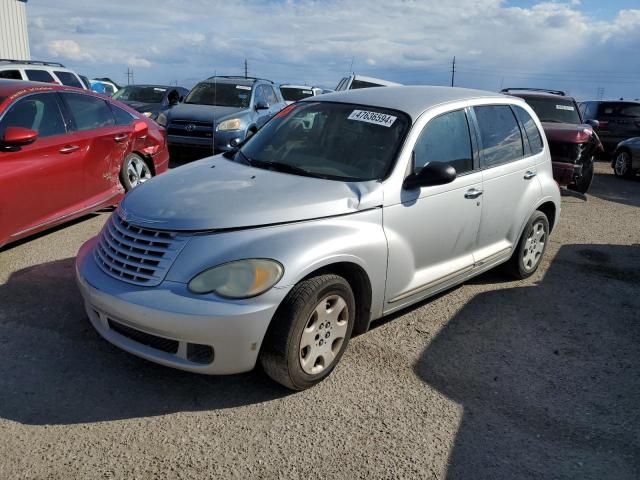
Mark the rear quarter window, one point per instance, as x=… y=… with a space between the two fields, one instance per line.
x=69 y=79
x=531 y=130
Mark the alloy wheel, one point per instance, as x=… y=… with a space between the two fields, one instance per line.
x=534 y=246
x=622 y=164
x=138 y=171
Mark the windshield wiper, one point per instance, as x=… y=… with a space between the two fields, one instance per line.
x=279 y=167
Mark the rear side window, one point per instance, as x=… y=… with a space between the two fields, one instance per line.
x=39 y=76
x=88 y=112
x=361 y=84
x=68 y=78
x=532 y=132
x=122 y=117
x=500 y=135
x=446 y=139
x=39 y=112
x=11 y=74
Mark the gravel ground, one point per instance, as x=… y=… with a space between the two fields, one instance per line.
x=493 y=379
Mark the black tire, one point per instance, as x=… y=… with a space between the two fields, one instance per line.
x=622 y=166
x=281 y=351
x=584 y=182
x=516 y=266
x=129 y=181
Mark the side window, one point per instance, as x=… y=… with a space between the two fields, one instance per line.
x=88 y=112
x=446 y=139
x=39 y=76
x=68 y=78
x=341 y=84
x=11 y=74
x=259 y=96
x=271 y=95
x=533 y=134
x=500 y=135
x=39 y=112
x=122 y=116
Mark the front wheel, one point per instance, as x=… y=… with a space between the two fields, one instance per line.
x=134 y=171
x=583 y=183
x=309 y=332
x=622 y=164
x=528 y=254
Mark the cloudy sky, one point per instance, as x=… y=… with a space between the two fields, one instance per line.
x=576 y=45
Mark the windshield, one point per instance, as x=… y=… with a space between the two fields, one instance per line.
x=329 y=140
x=292 y=94
x=140 y=94
x=555 y=110
x=619 y=109
x=220 y=94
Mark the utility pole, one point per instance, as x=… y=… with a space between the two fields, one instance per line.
x=246 y=70
x=453 y=71
x=130 y=79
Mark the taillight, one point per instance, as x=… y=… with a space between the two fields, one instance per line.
x=604 y=125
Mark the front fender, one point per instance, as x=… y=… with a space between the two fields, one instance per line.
x=301 y=247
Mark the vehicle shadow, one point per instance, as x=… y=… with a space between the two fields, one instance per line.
x=548 y=376
x=613 y=189
x=55 y=368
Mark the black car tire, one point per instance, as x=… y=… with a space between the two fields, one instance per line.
x=624 y=170
x=282 y=348
x=516 y=266
x=584 y=182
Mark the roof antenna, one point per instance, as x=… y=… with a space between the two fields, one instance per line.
x=351 y=66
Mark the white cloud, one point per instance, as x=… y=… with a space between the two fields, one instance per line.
x=136 y=61
x=68 y=49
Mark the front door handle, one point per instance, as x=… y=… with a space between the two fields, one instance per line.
x=473 y=193
x=529 y=175
x=69 y=149
x=121 y=138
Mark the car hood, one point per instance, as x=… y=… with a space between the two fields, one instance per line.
x=142 y=106
x=216 y=193
x=201 y=113
x=568 y=132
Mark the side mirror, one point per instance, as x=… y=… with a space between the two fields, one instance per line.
x=595 y=124
x=19 y=136
x=262 y=106
x=433 y=173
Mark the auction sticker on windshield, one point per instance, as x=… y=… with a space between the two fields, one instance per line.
x=243 y=87
x=565 y=107
x=372 y=117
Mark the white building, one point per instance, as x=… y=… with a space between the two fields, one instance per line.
x=14 y=39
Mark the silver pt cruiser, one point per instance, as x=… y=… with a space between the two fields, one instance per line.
x=342 y=209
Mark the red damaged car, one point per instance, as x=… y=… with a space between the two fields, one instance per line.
x=573 y=142
x=65 y=152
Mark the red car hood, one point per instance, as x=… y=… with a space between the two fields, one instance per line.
x=568 y=132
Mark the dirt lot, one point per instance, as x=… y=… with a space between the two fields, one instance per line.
x=494 y=379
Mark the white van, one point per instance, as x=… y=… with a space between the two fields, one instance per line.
x=37 y=71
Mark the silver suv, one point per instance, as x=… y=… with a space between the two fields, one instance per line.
x=342 y=209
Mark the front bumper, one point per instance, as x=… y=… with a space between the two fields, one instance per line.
x=170 y=326
x=221 y=141
x=566 y=173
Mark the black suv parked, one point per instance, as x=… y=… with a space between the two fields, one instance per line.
x=572 y=140
x=218 y=114
x=619 y=120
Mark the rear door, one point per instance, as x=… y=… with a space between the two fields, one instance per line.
x=510 y=188
x=618 y=121
x=104 y=143
x=40 y=182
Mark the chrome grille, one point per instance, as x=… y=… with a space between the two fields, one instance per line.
x=137 y=255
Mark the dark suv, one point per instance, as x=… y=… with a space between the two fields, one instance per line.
x=218 y=114
x=618 y=119
x=572 y=140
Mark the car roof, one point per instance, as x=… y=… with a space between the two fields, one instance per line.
x=532 y=94
x=150 y=85
x=413 y=100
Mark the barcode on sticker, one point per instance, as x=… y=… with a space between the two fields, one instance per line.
x=372 y=117
x=565 y=107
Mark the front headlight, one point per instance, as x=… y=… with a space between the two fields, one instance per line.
x=232 y=124
x=238 y=279
x=162 y=120
x=147 y=114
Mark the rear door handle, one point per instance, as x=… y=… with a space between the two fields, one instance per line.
x=473 y=193
x=529 y=175
x=69 y=149
x=121 y=138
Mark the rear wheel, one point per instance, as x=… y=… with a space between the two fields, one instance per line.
x=310 y=332
x=622 y=164
x=528 y=254
x=134 y=171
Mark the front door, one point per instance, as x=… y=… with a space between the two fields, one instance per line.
x=432 y=233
